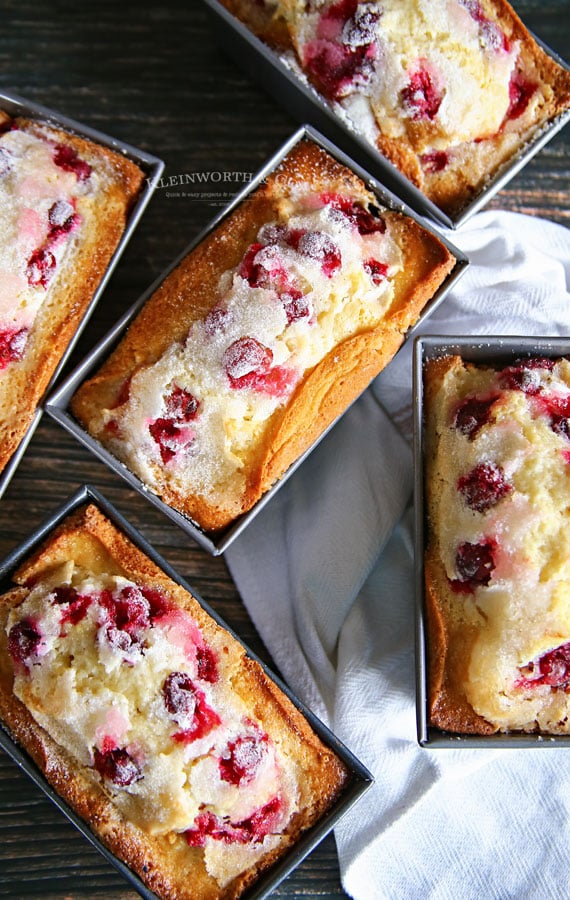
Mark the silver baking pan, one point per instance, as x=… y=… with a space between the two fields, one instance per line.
x=268 y=69
x=499 y=351
x=58 y=403
x=150 y=165
x=360 y=779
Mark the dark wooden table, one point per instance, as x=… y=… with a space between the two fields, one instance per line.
x=155 y=77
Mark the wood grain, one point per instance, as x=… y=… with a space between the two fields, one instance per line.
x=155 y=77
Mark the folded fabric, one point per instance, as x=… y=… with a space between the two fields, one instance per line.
x=326 y=573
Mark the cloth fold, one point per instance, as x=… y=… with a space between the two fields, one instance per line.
x=326 y=574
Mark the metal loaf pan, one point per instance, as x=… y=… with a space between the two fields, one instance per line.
x=58 y=402
x=266 y=67
x=151 y=165
x=494 y=351
x=360 y=779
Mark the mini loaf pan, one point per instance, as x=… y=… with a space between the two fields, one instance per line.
x=495 y=351
x=266 y=67
x=360 y=779
x=151 y=165
x=57 y=404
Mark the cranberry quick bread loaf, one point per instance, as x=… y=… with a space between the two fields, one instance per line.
x=63 y=206
x=261 y=337
x=497 y=562
x=447 y=90
x=148 y=718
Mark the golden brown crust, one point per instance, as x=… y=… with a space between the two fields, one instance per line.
x=104 y=218
x=169 y=867
x=324 y=392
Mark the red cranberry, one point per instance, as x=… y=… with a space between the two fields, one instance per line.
x=557 y=409
x=552 y=668
x=67 y=158
x=492 y=37
x=249 y=269
x=207 y=664
x=41 y=266
x=241 y=759
x=366 y=220
x=132 y=610
x=523 y=375
x=117 y=766
x=434 y=162
x=77 y=607
x=472 y=414
x=12 y=346
x=421 y=98
x=62 y=219
x=344 y=49
x=475 y=564
x=24 y=638
x=244 y=360
x=262 y=822
x=520 y=92
x=296 y=305
x=319 y=246
x=216 y=320
x=181 y=404
x=169 y=436
x=159 y=605
x=376 y=270
x=188 y=708
x=483 y=486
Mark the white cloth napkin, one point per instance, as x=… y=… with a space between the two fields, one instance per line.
x=326 y=573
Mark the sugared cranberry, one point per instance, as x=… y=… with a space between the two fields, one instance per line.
x=421 y=97
x=552 y=668
x=320 y=247
x=242 y=758
x=188 y=708
x=483 y=486
x=12 y=345
x=41 y=266
x=248 y=269
x=492 y=37
x=207 y=664
x=557 y=409
x=434 y=162
x=376 y=270
x=132 y=610
x=262 y=822
x=216 y=320
x=366 y=220
x=472 y=414
x=296 y=305
x=24 y=638
x=181 y=404
x=524 y=375
x=344 y=49
x=117 y=766
x=77 y=605
x=475 y=564
x=67 y=158
x=244 y=359
x=520 y=92
x=62 y=219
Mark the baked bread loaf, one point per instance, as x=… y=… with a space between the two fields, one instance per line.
x=448 y=90
x=147 y=717
x=261 y=337
x=64 y=202
x=497 y=560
